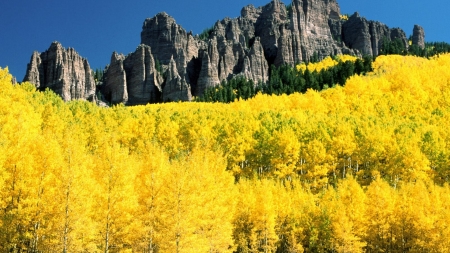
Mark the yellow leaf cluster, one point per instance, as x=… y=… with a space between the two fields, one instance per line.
x=326 y=63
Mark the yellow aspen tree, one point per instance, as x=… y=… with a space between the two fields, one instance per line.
x=380 y=203
x=315 y=165
x=425 y=215
x=439 y=236
x=19 y=130
x=217 y=200
x=115 y=200
x=318 y=221
x=405 y=215
x=196 y=205
x=264 y=237
x=291 y=205
x=73 y=190
x=348 y=217
x=242 y=223
x=149 y=184
x=343 y=147
x=287 y=151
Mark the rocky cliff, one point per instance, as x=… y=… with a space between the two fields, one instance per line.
x=62 y=70
x=366 y=36
x=172 y=64
x=133 y=79
x=418 y=37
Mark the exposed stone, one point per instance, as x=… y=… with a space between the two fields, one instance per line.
x=172 y=64
x=143 y=80
x=310 y=20
x=267 y=27
x=63 y=71
x=115 y=81
x=176 y=88
x=251 y=13
x=208 y=74
x=255 y=65
x=398 y=33
x=165 y=37
x=133 y=79
x=367 y=36
x=418 y=37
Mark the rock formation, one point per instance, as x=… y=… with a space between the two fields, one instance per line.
x=115 y=81
x=62 y=70
x=176 y=88
x=418 y=37
x=172 y=64
x=133 y=79
x=367 y=36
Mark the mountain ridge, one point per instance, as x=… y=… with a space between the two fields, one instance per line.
x=243 y=46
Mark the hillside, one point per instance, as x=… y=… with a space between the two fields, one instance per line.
x=358 y=168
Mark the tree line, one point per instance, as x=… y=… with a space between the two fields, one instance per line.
x=286 y=79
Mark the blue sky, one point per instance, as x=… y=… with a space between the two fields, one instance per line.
x=97 y=28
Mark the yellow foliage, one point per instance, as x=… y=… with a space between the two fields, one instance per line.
x=363 y=167
x=326 y=63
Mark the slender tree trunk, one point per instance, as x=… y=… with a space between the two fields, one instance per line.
x=66 y=224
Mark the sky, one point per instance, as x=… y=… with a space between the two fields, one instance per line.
x=98 y=28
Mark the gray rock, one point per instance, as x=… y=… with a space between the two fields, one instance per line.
x=62 y=70
x=165 y=37
x=133 y=79
x=418 y=37
x=143 y=80
x=398 y=33
x=209 y=76
x=176 y=88
x=115 y=81
x=367 y=36
x=255 y=64
x=172 y=64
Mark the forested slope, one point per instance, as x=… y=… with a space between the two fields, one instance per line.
x=364 y=167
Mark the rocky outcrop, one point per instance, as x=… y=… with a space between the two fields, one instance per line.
x=311 y=19
x=133 y=79
x=367 y=36
x=255 y=64
x=166 y=37
x=62 y=70
x=418 y=37
x=143 y=79
x=172 y=64
x=115 y=81
x=176 y=88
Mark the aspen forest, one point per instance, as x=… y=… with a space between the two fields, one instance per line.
x=360 y=167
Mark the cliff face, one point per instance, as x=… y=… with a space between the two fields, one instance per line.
x=62 y=70
x=133 y=79
x=418 y=37
x=172 y=64
x=367 y=36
